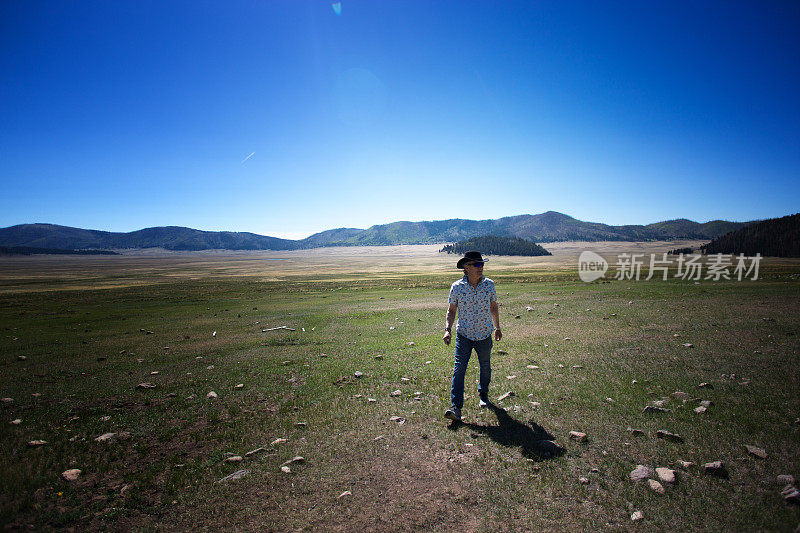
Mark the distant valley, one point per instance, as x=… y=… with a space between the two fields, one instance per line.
x=550 y=226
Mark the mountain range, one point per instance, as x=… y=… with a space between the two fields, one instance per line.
x=545 y=227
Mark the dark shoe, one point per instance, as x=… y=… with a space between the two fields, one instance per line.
x=454 y=413
x=484 y=399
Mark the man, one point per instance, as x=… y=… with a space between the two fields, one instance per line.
x=475 y=299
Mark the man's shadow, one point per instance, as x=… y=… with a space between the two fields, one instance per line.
x=535 y=442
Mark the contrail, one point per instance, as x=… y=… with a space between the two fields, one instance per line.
x=248 y=157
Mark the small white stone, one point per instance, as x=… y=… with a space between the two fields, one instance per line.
x=396 y=393
x=239 y=386
x=666 y=475
x=638 y=515
x=641 y=472
x=105 y=437
x=234 y=459
x=16 y=421
x=72 y=474
x=278 y=441
x=656 y=486
x=345 y=494
x=286 y=470
x=211 y=395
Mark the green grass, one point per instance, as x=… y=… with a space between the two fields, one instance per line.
x=82 y=347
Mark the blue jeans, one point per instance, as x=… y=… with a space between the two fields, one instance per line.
x=464 y=348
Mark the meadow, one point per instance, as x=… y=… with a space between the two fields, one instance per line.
x=330 y=381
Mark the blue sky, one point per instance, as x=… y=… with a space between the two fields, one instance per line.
x=285 y=118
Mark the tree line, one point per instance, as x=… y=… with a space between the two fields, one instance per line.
x=494 y=245
x=776 y=237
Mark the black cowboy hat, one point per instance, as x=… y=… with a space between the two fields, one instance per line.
x=470 y=256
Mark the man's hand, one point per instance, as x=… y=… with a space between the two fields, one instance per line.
x=446 y=338
x=498 y=334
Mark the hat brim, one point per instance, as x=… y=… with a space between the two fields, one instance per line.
x=463 y=260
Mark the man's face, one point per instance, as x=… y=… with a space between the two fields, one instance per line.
x=474 y=267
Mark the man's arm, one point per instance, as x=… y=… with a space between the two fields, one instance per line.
x=448 y=322
x=495 y=312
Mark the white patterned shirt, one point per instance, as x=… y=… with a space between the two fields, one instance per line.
x=474 y=306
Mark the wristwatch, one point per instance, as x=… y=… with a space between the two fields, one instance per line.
x=448 y=330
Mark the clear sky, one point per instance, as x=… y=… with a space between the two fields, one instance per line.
x=288 y=117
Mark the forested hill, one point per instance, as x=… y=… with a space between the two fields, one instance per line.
x=544 y=227
x=776 y=237
x=494 y=245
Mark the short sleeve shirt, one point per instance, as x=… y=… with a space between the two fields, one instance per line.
x=474 y=305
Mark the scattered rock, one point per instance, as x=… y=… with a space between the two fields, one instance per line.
x=791 y=495
x=716 y=468
x=16 y=421
x=532 y=367
x=706 y=386
x=666 y=435
x=379 y=356
x=641 y=472
x=706 y=403
x=372 y=400
x=234 y=459
x=636 y=432
x=21 y=358
x=399 y=419
x=396 y=393
x=501 y=352
x=172 y=395
x=210 y=367
x=345 y=494
x=154 y=373
x=145 y=386
x=686 y=465
x=239 y=386
x=411 y=343
x=236 y=475
x=660 y=403
x=7 y=400
x=636 y=516
x=301 y=424
x=583 y=481
x=578 y=436
x=509 y=394
x=105 y=437
x=654 y=409
x=756 y=451
x=682 y=396
x=286 y=470
x=577 y=366
x=36 y=443
x=278 y=441
x=253 y=452
x=666 y=475
x=297 y=460
x=511 y=377
x=656 y=486
x=358 y=374
x=211 y=395
x=72 y=474
x=688 y=345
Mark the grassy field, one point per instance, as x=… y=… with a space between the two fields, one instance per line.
x=79 y=335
